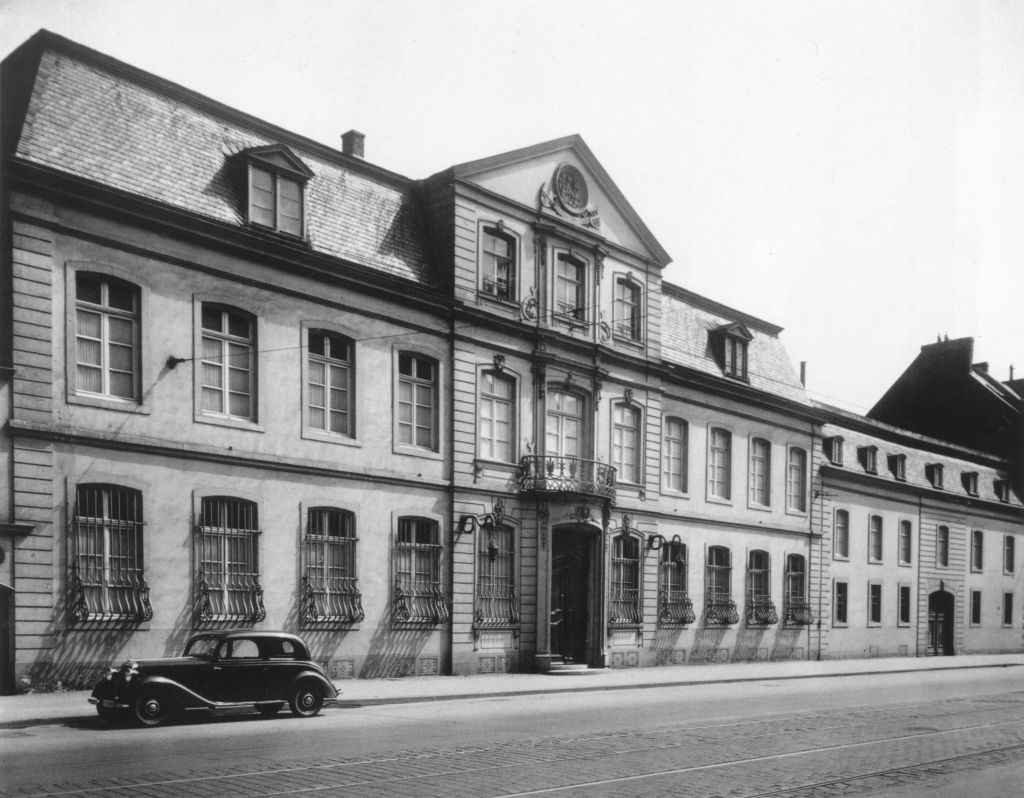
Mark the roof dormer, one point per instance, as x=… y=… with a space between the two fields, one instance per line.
x=275 y=184
x=730 y=343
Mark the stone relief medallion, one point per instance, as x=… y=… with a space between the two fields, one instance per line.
x=571 y=188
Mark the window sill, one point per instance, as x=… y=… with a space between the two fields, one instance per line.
x=905 y=565
x=841 y=625
x=669 y=493
x=632 y=343
x=109 y=403
x=330 y=437
x=228 y=421
x=841 y=557
x=763 y=508
x=512 y=305
x=876 y=562
x=416 y=451
x=480 y=464
x=796 y=513
x=719 y=500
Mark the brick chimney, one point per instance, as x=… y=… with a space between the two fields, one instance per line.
x=352 y=143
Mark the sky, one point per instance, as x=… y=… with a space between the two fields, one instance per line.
x=850 y=171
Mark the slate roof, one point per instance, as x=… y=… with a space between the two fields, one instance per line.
x=104 y=121
x=687 y=320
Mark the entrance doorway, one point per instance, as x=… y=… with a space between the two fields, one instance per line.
x=6 y=640
x=570 y=590
x=940 y=624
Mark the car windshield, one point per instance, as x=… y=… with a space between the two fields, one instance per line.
x=204 y=646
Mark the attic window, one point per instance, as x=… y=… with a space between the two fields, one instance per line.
x=275 y=181
x=1002 y=488
x=834 y=450
x=970 y=482
x=934 y=473
x=898 y=466
x=868 y=456
x=731 y=341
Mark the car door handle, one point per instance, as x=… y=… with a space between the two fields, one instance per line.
x=217 y=668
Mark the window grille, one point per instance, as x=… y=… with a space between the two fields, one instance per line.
x=625 y=607
x=797 y=607
x=496 y=601
x=719 y=608
x=760 y=608
x=419 y=598
x=674 y=605
x=227 y=579
x=330 y=591
x=107 y=582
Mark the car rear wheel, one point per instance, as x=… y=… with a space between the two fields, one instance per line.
x=306 y=700
x=269 y=709
x=153 y=706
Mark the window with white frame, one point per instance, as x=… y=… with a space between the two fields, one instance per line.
x=841 y=535
x=796 y=480
x=626 y=452
x=498 y=264
x=942 y=546
x=570 y=287
x=1009 y=554
x=840 y=603
x=719 y=608
x=1002 y=489
x=875 y=538
x=497 y=417
x=970 y=482
x=906 y=542
x=760 y=608
x=796 y=606
x=977 y=549
x=874 y=604
x=228 y=364
x=275 y=201
x=417 y=401
x=898 y=466
x=719 y=463
x=760 y=472
x=935 y=474
x=628 y=310
x=833 y=447
x=106 y=336
x=227 y=561
x=868 y=456
x=903 y=616
x=330 y=589
x=731 y=342
x=330 y=375
x=563 y=419
x=496 y=602
x=625 y=608
x=419 y=597
x=675 y=455
x=675 y=608
x=107 y=581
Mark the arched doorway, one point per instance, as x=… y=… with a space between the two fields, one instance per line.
x=941 y=608
x=572 y=558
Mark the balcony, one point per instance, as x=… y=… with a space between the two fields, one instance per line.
x=566 y=476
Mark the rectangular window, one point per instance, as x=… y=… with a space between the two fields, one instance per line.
x=720 y=464
x=625 y=607
x=904 y=608
x=942 y=547
x=796 y=480
x=498 y=265
x=106 y=336
x=735 y=357
x=874 y=603
x=898 y=466
x=970 y=482
x=625 y=440
x=330 y=592
x=674 y=605
x=563 y=424
x=977 y=549
x=627 y=315
x=834 y=450
x=570 y=288
x=841 y=534
x=675 y=457
x=868 y=456
x=1008 y=554
x=107 y=581
x=419 y=598
x=496 y=416
x=875 y=538
x=496 y=602
x=275 y=201
x=842 y=603
x=227 y=558
x=975 y=608
x=1007 y=609
x=330 y=374
x=906 y=542
x=934 y=473
x=228 y=363
x=417 y=401
x=760 y=472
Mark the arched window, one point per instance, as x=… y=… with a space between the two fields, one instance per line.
x=625 y=609
x=760 y=608
x=674 y=605
x=942 y=546
x=719 y=608
x=841 y=535
x=330 y=589
x=227 y=559
x=906 y=542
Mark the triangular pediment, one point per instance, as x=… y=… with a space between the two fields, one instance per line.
x=279 y=157
x=736 y=329
x=562 y=180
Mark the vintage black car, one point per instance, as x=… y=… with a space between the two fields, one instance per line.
x=219 y=670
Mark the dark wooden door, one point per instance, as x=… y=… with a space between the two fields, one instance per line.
x=940 y=623
x=570 y=578
x=6 y=640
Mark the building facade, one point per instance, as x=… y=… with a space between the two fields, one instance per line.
x=449 y=425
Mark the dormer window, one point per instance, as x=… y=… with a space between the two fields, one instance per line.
x=868 y=456
x=898 y=466
x=834 y=450
x=970 y=482
x=275 y=183
x=1002 y=489
x=933 y=471
x=731 y=341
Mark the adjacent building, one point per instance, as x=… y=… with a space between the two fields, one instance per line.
x=457 y=424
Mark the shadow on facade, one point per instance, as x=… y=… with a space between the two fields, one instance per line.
x=707 y=644
x=748 y=646
x=787 y=643
x=664 y=644
x=394 y=650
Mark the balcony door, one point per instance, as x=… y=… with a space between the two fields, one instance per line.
x=570 y=594
x=563 y=425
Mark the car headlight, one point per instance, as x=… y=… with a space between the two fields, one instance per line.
x=129 y=669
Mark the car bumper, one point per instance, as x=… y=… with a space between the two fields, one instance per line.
x=106 y=703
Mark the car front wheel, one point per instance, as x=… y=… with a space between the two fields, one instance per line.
x=153 y=706
x=306 y=700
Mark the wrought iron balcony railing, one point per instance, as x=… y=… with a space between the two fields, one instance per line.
x=761 y=611
x=720 y=610
x=675 y=608
x=551 y=474
x=798 y=613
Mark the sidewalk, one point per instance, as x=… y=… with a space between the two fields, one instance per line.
x=48 y=708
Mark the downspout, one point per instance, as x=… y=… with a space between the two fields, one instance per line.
x=450 y=467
